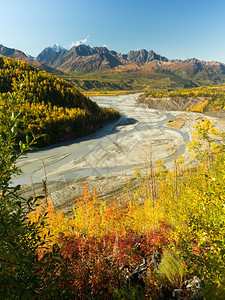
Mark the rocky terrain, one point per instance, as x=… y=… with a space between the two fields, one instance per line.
x=83 y=57
x=170 y=104
x=88 y=58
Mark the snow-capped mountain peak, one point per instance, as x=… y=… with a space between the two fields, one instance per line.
x=57 y=48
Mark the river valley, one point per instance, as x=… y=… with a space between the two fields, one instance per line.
x=107 y=158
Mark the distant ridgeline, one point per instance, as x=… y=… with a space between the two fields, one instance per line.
x=48 y=105
x=200 y=99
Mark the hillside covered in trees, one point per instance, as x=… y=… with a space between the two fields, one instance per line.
x=48 y=105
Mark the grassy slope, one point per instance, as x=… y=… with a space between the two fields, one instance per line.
x=144 y=78
x=114 y=80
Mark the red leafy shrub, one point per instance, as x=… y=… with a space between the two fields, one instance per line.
x=96 y=265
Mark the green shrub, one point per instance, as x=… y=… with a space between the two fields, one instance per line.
x=172 y=270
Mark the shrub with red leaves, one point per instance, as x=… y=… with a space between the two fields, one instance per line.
x=94 y=266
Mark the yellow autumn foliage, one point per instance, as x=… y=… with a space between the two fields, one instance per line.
x=211 y=97
x=48 y=105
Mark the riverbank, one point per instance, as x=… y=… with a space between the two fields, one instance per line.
x=109 y=157
x=170 y=104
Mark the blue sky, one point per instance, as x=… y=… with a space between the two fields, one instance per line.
x=173 y=28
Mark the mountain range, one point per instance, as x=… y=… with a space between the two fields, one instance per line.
x=102 y=64
x=83 y=57
x=20 y=55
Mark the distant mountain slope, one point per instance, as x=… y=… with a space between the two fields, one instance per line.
x=89 y=58
x=17 y=54
x=193 y=69
x=79 y=57
x=13 y=53
x=50 y=54
x=83 y=58
x=142 y=56
x=48 y=105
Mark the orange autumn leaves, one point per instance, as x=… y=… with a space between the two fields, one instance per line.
x=94 y=217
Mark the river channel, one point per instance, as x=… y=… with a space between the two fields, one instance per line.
x=118 y=148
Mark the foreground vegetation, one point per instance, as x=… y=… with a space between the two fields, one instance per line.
x=48 y=105
x=163 y=237
x=211 y=98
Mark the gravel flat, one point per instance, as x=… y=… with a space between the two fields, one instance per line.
x=108 y=157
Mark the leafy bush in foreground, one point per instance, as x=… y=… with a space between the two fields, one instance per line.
x=19 y=237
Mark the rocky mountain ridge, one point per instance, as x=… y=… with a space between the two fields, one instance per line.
x=87 y=58
x=83 y=59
